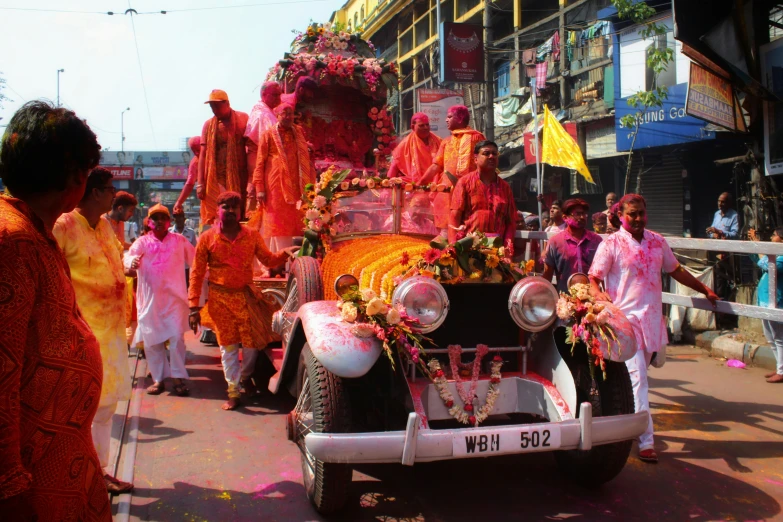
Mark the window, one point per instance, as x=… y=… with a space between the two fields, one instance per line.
x=356 y=20
x=502 y=80
x=667 y=78
x=362 y=15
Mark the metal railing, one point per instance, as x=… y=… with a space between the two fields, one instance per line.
x=725 y=246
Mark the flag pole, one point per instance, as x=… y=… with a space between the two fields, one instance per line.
x=539 y=184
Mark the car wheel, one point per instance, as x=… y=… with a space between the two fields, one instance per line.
x=322 y=407
x=612 y=396
x=304 y=285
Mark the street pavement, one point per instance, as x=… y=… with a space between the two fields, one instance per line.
x=719 y=435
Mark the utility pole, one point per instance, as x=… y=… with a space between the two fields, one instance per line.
x=489 y=73
x=58 y=85
x=122 y=128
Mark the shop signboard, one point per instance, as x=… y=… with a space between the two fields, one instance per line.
x=435 y=103
x=120 y=172
x=461 y=53
x=711 y=98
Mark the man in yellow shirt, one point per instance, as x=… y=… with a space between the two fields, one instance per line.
x=94 y=256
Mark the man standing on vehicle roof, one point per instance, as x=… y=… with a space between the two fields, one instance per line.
x=228 y=250
x=455 y=158
x=482 y=202
x=572 y=251
x=261 y=119
x=416 y=152
x=628 y=265
x=222 y=162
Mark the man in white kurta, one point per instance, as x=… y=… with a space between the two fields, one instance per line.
x=628 y=264
x=162 y=299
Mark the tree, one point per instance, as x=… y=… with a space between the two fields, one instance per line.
x=657 y=59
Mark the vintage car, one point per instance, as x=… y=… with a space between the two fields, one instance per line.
x=358 y=402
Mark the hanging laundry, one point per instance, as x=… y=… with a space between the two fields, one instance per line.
x=544 y=49
x=556 y=46
x=529 y=56
x=540 y=77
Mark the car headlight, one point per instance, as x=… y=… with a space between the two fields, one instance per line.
x=533 y=303
x=424 y=299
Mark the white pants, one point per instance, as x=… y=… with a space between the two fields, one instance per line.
x=159 y=365
x=101 y=432
x=773 y=331
x=235 y=372
x=637 y=369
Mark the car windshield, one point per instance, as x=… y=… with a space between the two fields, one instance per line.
x=372 y=211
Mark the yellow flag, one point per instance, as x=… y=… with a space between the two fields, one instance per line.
x=559 y=148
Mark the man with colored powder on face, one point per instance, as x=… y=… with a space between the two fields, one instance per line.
x=304 y=92
x=195 y=145
x=94 y=255
x=222 y=162
x=455 y=158
x=482 y=202
x=261 y=119
x=228 y=251
x=121 y=211
x=628 y=266
x=416 y=152
x=162 y=299
x=282 y=171
x=572 y=251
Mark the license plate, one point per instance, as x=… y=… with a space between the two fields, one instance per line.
x=486 y=442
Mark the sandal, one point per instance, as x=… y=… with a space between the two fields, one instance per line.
x=231 y=404
x=181 y=389
x=156 y=389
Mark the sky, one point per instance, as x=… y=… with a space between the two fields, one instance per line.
x=184 y=55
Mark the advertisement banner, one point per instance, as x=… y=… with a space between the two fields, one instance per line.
x=435 y=103
x=172 y=173
x=461 y=53
x=710 y=98
x=146 y=158
x=121 y=172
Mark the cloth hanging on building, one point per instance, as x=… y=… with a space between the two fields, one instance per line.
x=529 y=56
x=506 y=112
x=544 y=49
x=540 y=77
x=556 y=46
x=570 y=44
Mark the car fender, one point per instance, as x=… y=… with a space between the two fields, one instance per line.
x=333 y=343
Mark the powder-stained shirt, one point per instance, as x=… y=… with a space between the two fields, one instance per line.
x=162 y=295
x=568 y=255
x=485 y=207
x=94 y=256
x=50 y=381
x=230 y=263
x=631 y=272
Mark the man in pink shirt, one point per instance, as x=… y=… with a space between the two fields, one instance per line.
x=628 y=266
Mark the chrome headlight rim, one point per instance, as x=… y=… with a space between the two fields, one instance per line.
x=402 y=294
x=519 y=304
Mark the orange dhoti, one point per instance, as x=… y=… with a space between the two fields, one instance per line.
x=240 y=317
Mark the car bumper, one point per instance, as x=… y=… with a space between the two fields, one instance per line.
x=427 y=445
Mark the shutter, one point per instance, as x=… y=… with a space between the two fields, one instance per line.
x=662 y=187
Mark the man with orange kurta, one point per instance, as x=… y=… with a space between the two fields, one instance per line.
x=455 y=159
x=282 y=170
x=416 y=152
x=222 y=162
x=228 y=251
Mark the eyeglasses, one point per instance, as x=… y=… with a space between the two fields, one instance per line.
x=112 y=188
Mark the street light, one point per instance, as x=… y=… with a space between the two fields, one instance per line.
x=122 y=128
x=58 y=85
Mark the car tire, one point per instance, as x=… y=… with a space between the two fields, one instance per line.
x=326 y=484
x=306 y=281
x=602 y=463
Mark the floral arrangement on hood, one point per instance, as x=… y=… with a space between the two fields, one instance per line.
x=373 y=317
x=475 y=258
x=588 y=321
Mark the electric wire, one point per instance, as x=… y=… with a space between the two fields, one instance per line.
x=143 y=83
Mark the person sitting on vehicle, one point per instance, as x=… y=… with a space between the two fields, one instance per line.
x=571 y=251
x=455 y=159
x=482 y=201
x=416 y=152
x=416 y=218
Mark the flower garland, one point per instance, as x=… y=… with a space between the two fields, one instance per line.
x=588 y=322
x=383 y=128
x=390 y=325
x=464 y=414
x=455 y=360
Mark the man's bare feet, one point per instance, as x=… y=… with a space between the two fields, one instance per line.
x=231 y=404
x=115 y=486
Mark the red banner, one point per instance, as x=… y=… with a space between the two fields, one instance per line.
x=121 y=172
x=530 y=145
x=462 y=53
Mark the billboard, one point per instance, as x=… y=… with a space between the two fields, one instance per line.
x=711 y=98
x=171 y=173
x=461 y=53
x=435 y=103
x=121 y=172
x=146 y=158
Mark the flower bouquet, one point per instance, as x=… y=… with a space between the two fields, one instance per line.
x=588 y=321
x=373 y=317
